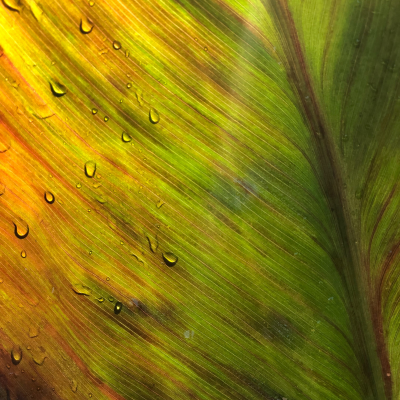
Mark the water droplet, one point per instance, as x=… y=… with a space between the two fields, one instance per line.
x=81 y=289
x=33 y=331
x=96 y=185
x=16 y=355
x=170 y=259
x=1 y=280
x=58 y=89
x=102 y=52
x=139 y=97
x=106 y=118
x=154 y=116
x=21 y=230
x=153 y=244
x=206 y=48
x=90 y=395
x=126 y=137
x=49 y=197
x=78 y=185
x=116 y=45
x=90 y=169
x=74 y=385
x=160 y=203
x=128 y=85
x=94 y=111
x=118 y=307
x=100 y=299
x=91 y=3
x=86 y=25
x=14 y=5
x=111 y=299
x=127 y=53
x=39 y=357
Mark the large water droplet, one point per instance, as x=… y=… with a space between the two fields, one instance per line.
x=16 y=355
x=118 y=307
x=21 y=230
x=126 y=137
x=90 y=169
x=58 y=89
x=49 y=197
x=170 y=259
x=14 y=5
x=86 y=25
x=116 y=45
x=154 y=116
x=82 y=289
x=33 y=331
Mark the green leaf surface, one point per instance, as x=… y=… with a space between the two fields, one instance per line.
x=199 y=199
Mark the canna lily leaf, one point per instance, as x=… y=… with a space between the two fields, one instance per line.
x=199 y=199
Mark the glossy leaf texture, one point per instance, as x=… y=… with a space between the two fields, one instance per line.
x=199 y=199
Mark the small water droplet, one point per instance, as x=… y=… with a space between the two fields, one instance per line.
x=90 y=169
x=154 y=116
x=102 y=52
x=58 y=89
x=33 y=331
x=49 y=197
x=116 y=45
x=128 y=85
x=21 y=230
x=74 y=385
x=118 y=307
x=81 y=289
x=96 y=185
x=127 y=53
x=111 y=299
x=139 y=97
x=94 y=111
x=100 y=299
x=1 y=280
x=107 y=279
x=90 y=395
x=16 y=355
x=106 y=118
x=126 y=137
x=160 y=204
x=39 y=357
x=206 y=48
x=153 y=244
x=78 y=185
x=91 y=3
x=13 y=5
x=170 y=259
x=86 y=25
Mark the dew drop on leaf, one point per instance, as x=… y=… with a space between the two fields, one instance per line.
x=21 y=230
x=81 y=289
x=86 y=25
x=139 y=97
x=23 y=254
x=126 y=137
x=49 y=197
x=111 y=299
x=116 y=45
x=106 y=118
x=100 y=299
x=33 y=331
x=58 y=89
x=94 y=111
x=90 y=169
x=91 y=3
x=128 y=85
x=14 y=5
x=154 y=116
x=127 y=53
x=39 y=357
x=118 y=307
x=74 y=385
x=160 y=204
x=78 y=185
x=206 y=48
x=16 y=355
x=170 y=259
